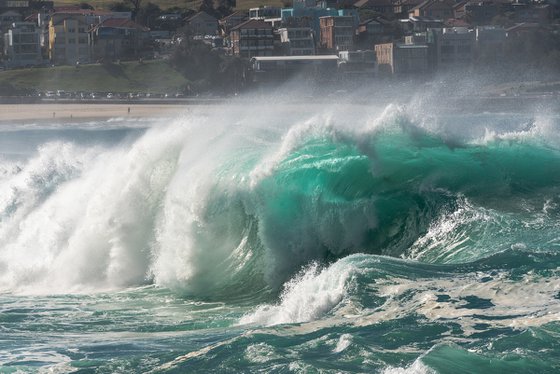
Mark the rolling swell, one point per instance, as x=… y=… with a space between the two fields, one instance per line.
x=235 y=210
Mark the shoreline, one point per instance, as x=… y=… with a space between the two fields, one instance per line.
x=68 y=112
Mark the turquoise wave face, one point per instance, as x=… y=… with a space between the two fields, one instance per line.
x=394 y=192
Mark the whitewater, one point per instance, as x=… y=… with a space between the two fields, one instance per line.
x=281 y=237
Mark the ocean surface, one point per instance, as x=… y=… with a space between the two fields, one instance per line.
x=282 y=238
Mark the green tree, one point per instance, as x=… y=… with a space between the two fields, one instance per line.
x=120 y=7
x=148 y=14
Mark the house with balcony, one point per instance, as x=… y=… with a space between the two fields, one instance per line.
x=374 y=31
x=384 y=7
x=298 y=41
x=252 y=38
x=358 y=64
x=490 y=42
x=69 y=41
x=454 y=47
x=119 y=38
x=276 y=69
x=8 y=18
x=227 y=23
x=440 y=9
x=22 y=45
x=202 y=24
x=265 y=12
x=337 y=33
x=402 y=59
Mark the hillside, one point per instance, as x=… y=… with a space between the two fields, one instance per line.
x=166 y=4
x=150 y=76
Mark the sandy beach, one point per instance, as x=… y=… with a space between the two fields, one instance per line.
x=62 y=112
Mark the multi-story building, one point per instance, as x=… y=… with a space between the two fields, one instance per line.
x=22 y=45
x=454 y=47
x=226 y=24
x=280 y=68
x=116 y=38
x=306 y=13
x=69 y=39
x=265 y=12
x=384 y=7
x=8 y=18
x=374 y=31
x=337 y=33
x=252 y=38
x=402 y=59
x=490 y=42
x=440 y=9
x=358 y=64
x=299 y=41
x=202 y=24
x=17 y=5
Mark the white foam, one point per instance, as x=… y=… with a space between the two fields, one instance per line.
x=82 y=218
x=306 y=297
x=344 y=342
x=417 y=367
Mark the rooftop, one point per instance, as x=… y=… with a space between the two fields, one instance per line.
x=296 y=58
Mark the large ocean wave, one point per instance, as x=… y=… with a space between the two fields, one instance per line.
x=211 y=206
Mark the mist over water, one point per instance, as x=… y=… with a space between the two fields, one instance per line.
x=284 y=234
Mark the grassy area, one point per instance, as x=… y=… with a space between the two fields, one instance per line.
x=166 y=4
x=150 y=76
x=105 y=4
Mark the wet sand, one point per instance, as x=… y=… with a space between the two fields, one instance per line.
x=44 y=112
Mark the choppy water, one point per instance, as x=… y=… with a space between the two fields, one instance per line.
x=338 y=238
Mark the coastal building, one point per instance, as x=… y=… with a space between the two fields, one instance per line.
x=403 y=7
x=282 y=68
x=264 y=13
x=201 y=24
x=490 y=42
x=115 y=39
x=440 y=9
x=373 y=31
x=421 y=24
x=8 y=18
x=252 y=38
x=481 y=12
x=226 y=24
x=14 y=5
x=454 y=47
x=308 y=13
x=22 y=45
x=402 y=59
x=539 y=13
x=383 y=7
x=297 y=41
x=357 y=64
x=337 y=33
x=69 y=39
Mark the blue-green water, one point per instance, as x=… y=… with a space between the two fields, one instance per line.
x=297 y=239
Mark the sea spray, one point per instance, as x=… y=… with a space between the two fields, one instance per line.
x=344 y=238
